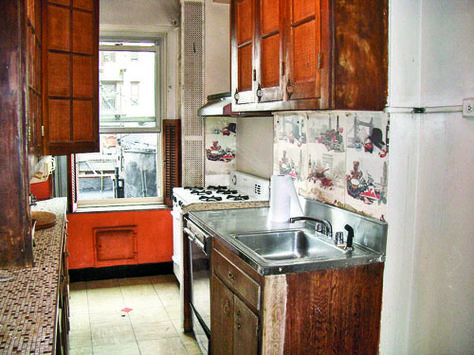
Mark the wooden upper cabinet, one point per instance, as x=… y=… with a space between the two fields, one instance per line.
x=70 y=76
x=312 y=54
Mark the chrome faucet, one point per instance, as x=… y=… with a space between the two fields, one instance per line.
x=327 y=225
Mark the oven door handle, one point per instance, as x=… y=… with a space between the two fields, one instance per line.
x=192 y=237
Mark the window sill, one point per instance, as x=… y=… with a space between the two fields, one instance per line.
x=122 y=208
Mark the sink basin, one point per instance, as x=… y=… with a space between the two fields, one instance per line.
x=287 y=245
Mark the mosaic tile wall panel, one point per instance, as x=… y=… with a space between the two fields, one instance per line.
x=220 y=145
x=335 y=157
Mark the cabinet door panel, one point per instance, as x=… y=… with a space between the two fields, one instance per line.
x=243 y=25
x=270 y=65
x=245 y=22
x=59 y=125
x=222 y=318
x=82 y=79
x=58 y=74
x=245 y=69
x=82 y=32
x=305 y=48
x=303 y=9
x=269 y=54
x=83 y=4
x=58 y=20
x=82 y=110
x=269 y=16
x=245 y=329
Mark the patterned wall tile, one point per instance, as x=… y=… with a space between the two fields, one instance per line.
x=220 y=145
x=326 y=162
x=290 y=149
x=335 y=157
x=367 y=163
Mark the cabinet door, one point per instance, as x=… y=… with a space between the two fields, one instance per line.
x=33 y=78
x=245 y=329
x=222 y=318
x=242 y=44
x=268 y=59
x=305 y=50
x=70 y=76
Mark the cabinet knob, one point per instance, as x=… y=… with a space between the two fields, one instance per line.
x=231 y=276
x=238 y=325
x=290 y=89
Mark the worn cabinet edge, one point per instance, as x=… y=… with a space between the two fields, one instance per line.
x=274 y=314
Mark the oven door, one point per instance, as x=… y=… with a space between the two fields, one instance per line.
x=200 y=290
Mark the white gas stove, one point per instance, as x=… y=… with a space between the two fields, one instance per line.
x=243 y=187
x=244 y=191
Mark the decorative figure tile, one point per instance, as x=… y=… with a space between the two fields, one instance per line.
x=290 y=145
x=367 y=163
x=325 y=180
x=220 y=145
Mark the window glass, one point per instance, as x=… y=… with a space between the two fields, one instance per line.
x=120 y=81
x=126 y=167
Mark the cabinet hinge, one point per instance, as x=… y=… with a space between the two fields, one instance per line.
x=319 y=60
x=254 y=75
x=42 y=131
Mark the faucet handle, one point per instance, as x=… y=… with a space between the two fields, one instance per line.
x=339 y=238
x=319 y=227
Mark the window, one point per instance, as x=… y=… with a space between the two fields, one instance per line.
x=127 y=169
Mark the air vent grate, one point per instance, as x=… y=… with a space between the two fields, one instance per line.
x=193 y=93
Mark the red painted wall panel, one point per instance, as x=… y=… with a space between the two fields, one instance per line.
x=154 y=235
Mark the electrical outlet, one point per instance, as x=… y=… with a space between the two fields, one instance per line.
x=468 y=107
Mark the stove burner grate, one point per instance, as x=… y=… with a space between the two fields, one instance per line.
x=238 y=197
x=210 y=198
x=201 y=192
x=226 y=192
x=217 y=187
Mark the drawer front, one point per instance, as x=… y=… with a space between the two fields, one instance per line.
x=237 y=280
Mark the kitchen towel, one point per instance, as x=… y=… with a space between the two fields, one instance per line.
x=284 y=202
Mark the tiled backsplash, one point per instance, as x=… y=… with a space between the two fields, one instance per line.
x=340 y=158
x=220 y=148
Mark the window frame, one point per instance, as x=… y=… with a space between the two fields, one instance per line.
x=159 y=48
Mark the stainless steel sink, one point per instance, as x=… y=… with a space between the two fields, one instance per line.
x=288 y=245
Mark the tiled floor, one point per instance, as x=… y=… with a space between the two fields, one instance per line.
x=100 y=323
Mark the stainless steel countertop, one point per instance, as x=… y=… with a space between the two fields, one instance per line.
x=223 y=224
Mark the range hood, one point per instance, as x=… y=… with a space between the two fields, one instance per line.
x=217 y=105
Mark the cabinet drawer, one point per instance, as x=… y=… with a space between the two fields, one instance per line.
x=237 y=280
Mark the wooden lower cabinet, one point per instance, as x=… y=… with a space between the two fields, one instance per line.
x=234 y=325
x=331 y=311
